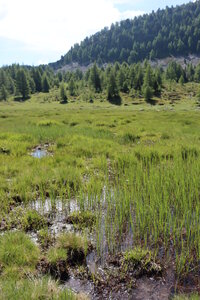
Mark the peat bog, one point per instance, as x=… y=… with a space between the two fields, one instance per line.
x=106 y=206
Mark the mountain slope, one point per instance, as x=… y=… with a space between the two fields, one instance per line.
x=171 y=31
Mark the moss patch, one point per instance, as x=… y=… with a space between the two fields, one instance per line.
x=27 y=220
x=140 y=261
x=82 y=219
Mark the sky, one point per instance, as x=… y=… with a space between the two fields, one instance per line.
x=40 y=31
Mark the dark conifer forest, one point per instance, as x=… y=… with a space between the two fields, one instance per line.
x=171 y=31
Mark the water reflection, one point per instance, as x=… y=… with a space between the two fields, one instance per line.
x=39 y=153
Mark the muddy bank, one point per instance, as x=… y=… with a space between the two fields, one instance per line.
x=105 y=276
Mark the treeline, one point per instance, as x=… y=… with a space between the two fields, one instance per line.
x=22 y=81
x=140 y=80
x=172 y=31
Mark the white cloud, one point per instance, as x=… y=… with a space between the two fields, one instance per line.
x=49 y=25
x=124 y=1
x=130 y=14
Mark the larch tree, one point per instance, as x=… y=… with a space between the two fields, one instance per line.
x=22 y=84
x=63 y=94
x=94 y=79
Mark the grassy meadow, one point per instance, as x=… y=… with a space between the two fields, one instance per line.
x=133 y=171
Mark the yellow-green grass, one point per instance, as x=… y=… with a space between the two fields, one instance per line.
x=34 y=289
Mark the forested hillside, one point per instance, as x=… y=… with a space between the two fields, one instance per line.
x=172 y=31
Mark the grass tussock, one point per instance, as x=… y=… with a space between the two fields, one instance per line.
x=35 y=289
x=140 y=261
x=69 y=247
x=18 y=254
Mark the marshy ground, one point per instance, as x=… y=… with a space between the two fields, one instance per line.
x=100 y=201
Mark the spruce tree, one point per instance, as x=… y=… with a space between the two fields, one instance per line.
x=11 y=86
x=37 y=79
x=32 y=85
x=45 y=84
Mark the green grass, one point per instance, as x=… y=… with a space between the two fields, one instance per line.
x=133 y=167
x=74 y=246
x=56 y=254
x=140 y=261
x=137 y=255
x=18 y=254
x=35 y=289
x=45 y=238
x=184 y=297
